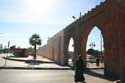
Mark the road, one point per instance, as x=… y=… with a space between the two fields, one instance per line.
x=36 y=76
x=44 y=76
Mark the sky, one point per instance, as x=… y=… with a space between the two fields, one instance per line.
x=19 y=19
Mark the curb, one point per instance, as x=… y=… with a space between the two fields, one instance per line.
x=35 y=68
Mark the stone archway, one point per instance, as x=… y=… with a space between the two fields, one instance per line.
x=70 y=51
x=84 y=39
x=111 y=58
x=66 y=50
x=94 y=49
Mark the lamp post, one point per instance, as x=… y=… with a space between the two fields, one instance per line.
x=7 y=53
x=76 y=18
x=79 y=19
x=101 y=47
x=92 y=45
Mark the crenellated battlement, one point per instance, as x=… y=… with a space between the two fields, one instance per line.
x=98 y=8
x=101 y=7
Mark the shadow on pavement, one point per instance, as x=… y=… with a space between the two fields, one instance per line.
x=31 y=62
x=98 y=75
x=36 y=62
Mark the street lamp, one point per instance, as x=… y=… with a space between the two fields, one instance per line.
x=79 y=16
x=92 y=45
x=73 y=17
x=7 y=53
x=78 y=21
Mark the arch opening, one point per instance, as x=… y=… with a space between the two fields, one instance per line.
x=95 y=49
x=70 y=52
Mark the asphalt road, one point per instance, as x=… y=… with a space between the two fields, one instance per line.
x=47 y=76
x=36 y=76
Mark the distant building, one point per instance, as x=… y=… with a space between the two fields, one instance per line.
x=19 y=52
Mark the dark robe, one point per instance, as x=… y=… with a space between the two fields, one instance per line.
x=79 y=71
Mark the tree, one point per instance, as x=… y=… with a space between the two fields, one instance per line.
x=93 y=52
x=34 y=41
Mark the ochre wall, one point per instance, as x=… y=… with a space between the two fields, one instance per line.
x=54 y=48
x=109 y=17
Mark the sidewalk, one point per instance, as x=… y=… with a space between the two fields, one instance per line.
x=93 y=65
x=22 y=62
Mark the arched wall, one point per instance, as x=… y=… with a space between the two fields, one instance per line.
x=109 y=23
x=106 y=27
x=109 y=19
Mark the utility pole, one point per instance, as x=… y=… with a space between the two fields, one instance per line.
x=7 y=53
x=79 y=19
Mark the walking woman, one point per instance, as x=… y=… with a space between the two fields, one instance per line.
x=79 y=71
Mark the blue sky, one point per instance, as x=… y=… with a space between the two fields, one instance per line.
x=19 y=19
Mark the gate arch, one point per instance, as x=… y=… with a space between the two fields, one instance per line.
x=66 y=48
x=85 y=35
x=106 y=35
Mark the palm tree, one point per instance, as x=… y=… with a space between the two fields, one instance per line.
x=34 y=41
